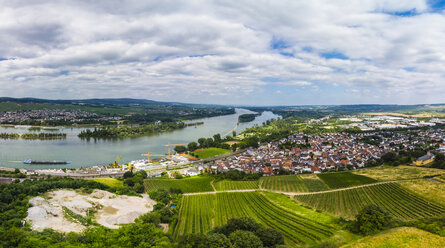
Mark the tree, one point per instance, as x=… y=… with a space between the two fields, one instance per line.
x=217 y=138
x=201 y=142
x=371 y=219
x=192 y=146
x=180 y=149
x=234 y=133
x=270 y=237
x=209 y=142
x=245 y=239
x=218 y=240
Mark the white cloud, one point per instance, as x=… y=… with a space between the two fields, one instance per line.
x=206 y=51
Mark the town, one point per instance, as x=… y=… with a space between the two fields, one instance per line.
x=73 y=116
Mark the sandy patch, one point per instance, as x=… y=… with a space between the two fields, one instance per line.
x=112 y=210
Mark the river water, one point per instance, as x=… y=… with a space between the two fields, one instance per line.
x=92 y=152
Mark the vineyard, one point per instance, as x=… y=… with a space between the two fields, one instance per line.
x=390 y=196
x=197 y=212
x=344 y=179
x=187 y=185
x=293 y=183
x=235 y=185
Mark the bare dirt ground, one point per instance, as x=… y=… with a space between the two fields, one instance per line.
x=112 y=210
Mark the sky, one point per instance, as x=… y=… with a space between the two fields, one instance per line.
x=284 y=52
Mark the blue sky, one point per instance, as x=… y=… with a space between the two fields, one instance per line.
x=225 y=52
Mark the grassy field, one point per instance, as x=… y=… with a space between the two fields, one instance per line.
x=406 y=237
x=388 y=173
x=210 y=152
x=432 y=191
x=344 y=179
x=187 y=185
x=391 y=196
x=297 y=229
x=111 y=182
x=236 y=185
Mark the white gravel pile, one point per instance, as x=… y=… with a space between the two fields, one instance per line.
x=112 y=210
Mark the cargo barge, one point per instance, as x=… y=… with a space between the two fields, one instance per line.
x=45 y=162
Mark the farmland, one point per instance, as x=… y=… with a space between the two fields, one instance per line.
x=390 y=196
x=344 y=179
x=408 y=237
x=288 y=183
x=432 y=191
x=297 y=229
x=387 y=173
x=186 y=185
x=111 y=182
x=236 y=185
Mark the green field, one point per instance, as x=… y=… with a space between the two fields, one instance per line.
x=292 y=183
x=199 y=213
x=390 y=196
x=344 y=179
x=236 y=185
x=401 y=172
x=210 y=152
x=288 y=183
x=407 y=237
x=112 y=182
x=187 y=185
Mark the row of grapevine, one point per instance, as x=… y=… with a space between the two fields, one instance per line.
x=187 y=185
x=293 y=183
x=391 y=197
x=296 y=229
x=344 y=179
x=288 y=183
x=315 y=185
x=236 y=185
x=195 y=215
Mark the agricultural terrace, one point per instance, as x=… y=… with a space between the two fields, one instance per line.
x=388 y=173
x=407 y=237
x=209 y=152
x=111 y=182
x=297 y=229
x=344 y=179
x=430 y=190
x=287 y=183
x=186 y=185
x=390 y=196
x=236 y=185
x=293 y=183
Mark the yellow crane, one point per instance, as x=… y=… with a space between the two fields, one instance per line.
x=154 y=155
x=169 y=147
x=115 y=164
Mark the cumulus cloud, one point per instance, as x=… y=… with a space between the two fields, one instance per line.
x=227 y=52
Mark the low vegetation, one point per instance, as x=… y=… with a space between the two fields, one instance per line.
x=209 y=152
x=390 y=196
x=408 y=237
x=297 y=229
x=238 y=232
x=110 y=182
x=287 y=183
x=236 y=185
x=430 y=190
x=388 y=173
x=344 y=179
x=185 y=185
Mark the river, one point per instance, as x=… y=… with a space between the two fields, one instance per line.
x=88 y=153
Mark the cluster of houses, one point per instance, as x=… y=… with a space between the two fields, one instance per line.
x=369 y=123
x=315 y=153
x=12 y=117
